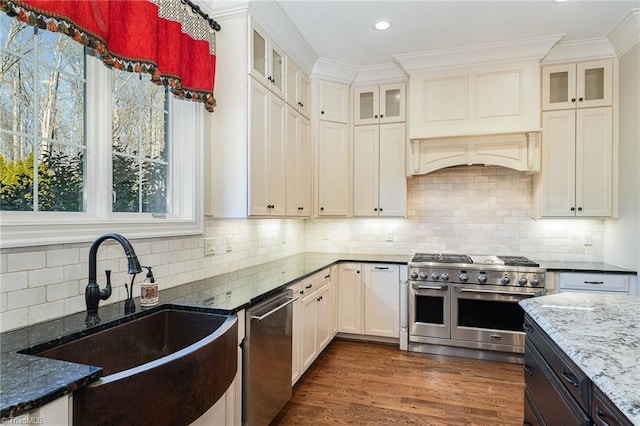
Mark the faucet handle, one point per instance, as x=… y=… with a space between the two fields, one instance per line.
x=105 y=293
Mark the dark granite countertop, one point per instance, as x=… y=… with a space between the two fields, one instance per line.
x=28 y=382
x=588 y=267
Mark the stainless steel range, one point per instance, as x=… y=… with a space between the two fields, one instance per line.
x=467 y=305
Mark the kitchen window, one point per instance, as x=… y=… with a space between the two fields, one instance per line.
x=86 y=149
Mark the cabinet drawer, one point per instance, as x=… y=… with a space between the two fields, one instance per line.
x=531 y=414
x=604 y=413
x=556 y=406
x=594 y=282
x=316 y=280
x=566 y=372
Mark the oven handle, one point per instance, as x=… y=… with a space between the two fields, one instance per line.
x=429 y=287
x=466 y=290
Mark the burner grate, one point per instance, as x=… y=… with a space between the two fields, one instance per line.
x=518 y=261
x=441 y=258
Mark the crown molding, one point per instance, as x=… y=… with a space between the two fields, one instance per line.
x=385 y=73
x=580 y=50
x=626 y=34
x=219 y=9
x=326 y=69
x=519 y=50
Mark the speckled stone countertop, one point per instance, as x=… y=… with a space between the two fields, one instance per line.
x=589 y=267
x=28 y=382
x=601 y=334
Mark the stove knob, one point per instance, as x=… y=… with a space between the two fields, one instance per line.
x=482 y=279
x=444 y=276
x=423 y=275
x=414 y=275
x=463 y=277
x=534 y=281
x=435 y=276
x=505 y=280
x=522 y=281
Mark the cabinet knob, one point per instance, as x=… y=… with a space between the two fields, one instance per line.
x=375 y=116
x=573 y=99
x=301 y=104
x=321 y=209
x=375 y=209
x=581 y=99
x=381 y=115
x=358 y=271
x=300 y=208
x=322 y=112
x=573 y=209
x=579 y=209
x=380 y=208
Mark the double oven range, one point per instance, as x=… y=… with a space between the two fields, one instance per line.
x=467 y=305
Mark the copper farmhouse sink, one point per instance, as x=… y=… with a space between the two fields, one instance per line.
x=165 y=367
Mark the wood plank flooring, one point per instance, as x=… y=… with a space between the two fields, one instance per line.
x=375 y=384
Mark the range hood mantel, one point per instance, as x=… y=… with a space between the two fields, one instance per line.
x=518 y=151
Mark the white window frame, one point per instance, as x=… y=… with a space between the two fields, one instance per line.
x=184 y=200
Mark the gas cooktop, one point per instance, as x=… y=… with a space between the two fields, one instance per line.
x=473 y=259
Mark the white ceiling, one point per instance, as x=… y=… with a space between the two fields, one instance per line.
x=341 y=31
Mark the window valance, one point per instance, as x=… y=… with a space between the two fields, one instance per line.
x=168 y=39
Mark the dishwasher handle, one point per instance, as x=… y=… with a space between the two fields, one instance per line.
x=289 y=301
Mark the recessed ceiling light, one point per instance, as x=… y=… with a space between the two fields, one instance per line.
x=561 y=1
x=382 y=25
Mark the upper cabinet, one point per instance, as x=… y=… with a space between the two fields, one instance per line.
x=487 y=99
x=267 y=60
x=379 y=104
x=577 y=85
x=298 y=89
x=333 y=102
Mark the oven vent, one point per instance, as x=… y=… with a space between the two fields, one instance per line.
x=518 y=151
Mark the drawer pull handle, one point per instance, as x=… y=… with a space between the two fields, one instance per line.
x=527 y=369
x=382 y=268
x=569 y=377
x=327 y=276
x=601 y=416
x=309 y=286
x=527 y=328
x=594 y=282
x=495 y=337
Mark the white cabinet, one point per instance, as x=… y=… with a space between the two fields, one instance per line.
x=379 y=183
x=350 y=298
x=485 y=99
x=296 y=335
x=577 y=85
x=267 y=60
x=316 y=316
x=266 y=152
x=379 y=104
x=333 y=169
x=333 y=101
x=577 y=163
x=297 y=89
x=598 y=283
x=58 y=412
x=369 y=299
x=298 y=165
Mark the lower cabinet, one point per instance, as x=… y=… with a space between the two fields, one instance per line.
x=556 y=390
x=58 y=412
x=369 y=299
x=594 y=283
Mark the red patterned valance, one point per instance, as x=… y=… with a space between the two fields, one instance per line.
x=165 y=38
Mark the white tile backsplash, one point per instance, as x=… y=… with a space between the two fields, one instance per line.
x=482 y=210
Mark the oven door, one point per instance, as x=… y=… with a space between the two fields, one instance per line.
x=489 y=315
x=429 y=310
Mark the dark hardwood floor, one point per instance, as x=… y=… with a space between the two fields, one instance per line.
x=375 y=384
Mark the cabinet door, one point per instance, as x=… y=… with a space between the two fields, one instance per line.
x=594 y=83
x=594 y=162
x=276 y=163
x=296 y=335
x=276 y=70
x=366 y=105
x=303 y=195
x=559 y=87
x=298 y=159
x=259 y=118
x=392 y=198
x=382 y=300
x=333 y=169
x=309 y=330
x=350 y=298
x=365 y=170
x=259 y=54
x=558 y=168
x=392 y=103
x=304 y=94
x=333 y=101
x=291 y=87
x=324 y=317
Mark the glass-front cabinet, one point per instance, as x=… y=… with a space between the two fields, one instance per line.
x=267 y=60
x=379 y=104
x=577 y=85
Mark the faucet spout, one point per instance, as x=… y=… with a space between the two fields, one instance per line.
x=93 y=294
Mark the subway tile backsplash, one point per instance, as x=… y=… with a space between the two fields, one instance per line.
x=469 y=209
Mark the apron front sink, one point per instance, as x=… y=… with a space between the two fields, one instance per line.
x=167 y=366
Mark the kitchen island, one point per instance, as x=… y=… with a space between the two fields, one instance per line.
x=601 y=335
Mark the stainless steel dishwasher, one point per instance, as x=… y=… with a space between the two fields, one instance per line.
x=267 y=359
